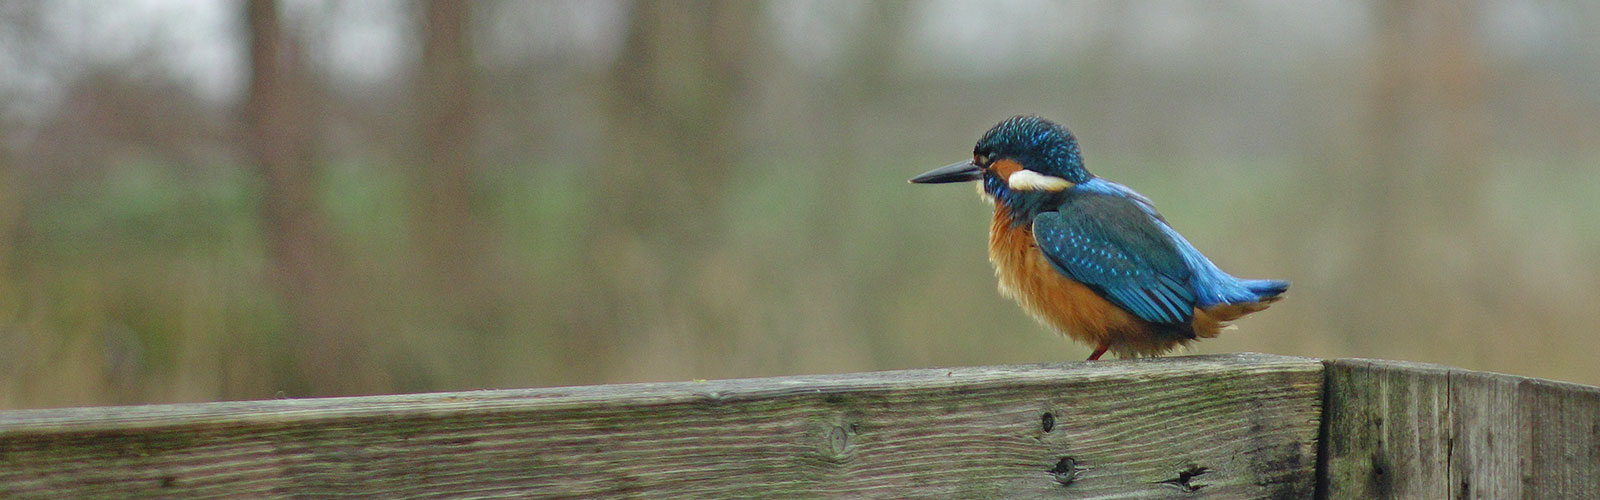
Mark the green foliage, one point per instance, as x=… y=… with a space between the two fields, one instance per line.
x=153 y=286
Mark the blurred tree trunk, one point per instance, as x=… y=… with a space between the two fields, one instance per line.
x=1417 y=190
x=674 y=89
x=279 y=125
x=11 y=210
x=674 y=94
x=872 y=62
x=851 y=119
x=451 y=236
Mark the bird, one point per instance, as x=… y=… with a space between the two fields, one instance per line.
x=1090 y=258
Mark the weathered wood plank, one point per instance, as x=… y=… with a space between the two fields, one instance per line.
x=1232 y=426
x=1408 y=430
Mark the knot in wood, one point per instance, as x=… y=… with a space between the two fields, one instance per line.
x=838 y=440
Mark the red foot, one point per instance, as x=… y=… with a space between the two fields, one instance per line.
x=1098 y=352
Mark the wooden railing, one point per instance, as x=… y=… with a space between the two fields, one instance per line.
x=1227 y=426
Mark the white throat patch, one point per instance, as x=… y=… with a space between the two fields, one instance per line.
x=1028 y=180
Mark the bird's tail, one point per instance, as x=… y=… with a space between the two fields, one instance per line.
x=1208 y=321
x=1266 y=290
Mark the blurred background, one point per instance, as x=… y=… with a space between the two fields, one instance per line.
x=213 y=200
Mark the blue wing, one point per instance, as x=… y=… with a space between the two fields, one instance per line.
x=1111 y=245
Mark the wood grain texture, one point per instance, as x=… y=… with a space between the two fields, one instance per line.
x=1408 y=430
x=1231 y=426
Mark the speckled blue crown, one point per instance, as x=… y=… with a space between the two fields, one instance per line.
x=1038 y=144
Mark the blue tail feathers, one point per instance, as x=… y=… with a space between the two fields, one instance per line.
x=1266 y=289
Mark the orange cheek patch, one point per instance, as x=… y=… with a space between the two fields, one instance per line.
x=1004 y=168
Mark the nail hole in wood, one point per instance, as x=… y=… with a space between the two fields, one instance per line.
x=1065 y=471
x=1182 y=482
x=1048 y=421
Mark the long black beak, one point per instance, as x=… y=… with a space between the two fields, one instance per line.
x=961 y=171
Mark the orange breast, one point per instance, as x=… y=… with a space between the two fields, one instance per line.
x=1069 y=307
x=1026 y=275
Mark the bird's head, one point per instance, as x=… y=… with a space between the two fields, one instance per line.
x=1019 y=160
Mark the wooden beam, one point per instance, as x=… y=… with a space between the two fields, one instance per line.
x=1229 y=426
x=1409 y=430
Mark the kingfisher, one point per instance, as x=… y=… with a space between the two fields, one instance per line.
x=1091 y=258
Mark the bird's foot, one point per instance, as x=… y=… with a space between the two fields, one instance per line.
x=1100 y=351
